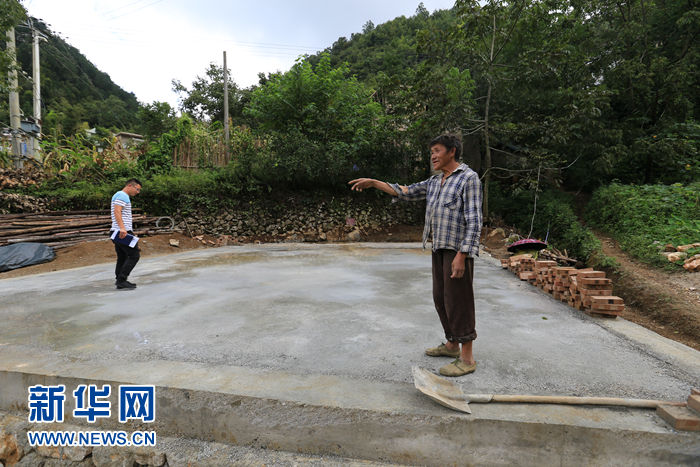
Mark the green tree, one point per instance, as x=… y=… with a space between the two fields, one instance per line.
x=427 y=101
x=322 y=123
x=321 y=102
x=204 y=99
x=535 y=103
x=388 y=48
x=646 y=54
x=156 y=119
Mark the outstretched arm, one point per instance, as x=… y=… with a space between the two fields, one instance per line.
x=361 y=183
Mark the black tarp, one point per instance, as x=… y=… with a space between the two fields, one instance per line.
x=20 y=255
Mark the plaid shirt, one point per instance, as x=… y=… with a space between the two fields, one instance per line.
x=453 y=210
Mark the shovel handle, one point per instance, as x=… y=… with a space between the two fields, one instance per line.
x=570 y=400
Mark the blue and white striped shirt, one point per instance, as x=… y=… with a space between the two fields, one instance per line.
x=453 y=212
x=122 y=199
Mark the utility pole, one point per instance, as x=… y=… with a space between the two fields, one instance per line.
x=37 y=36
x=16 y=153
x=226 y=128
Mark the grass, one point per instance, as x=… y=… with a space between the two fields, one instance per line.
x=645 y=218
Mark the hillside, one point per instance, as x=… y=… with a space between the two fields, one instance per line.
x=389 y=47
x=73 y=90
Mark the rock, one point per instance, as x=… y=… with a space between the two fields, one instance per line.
x=498 y=231
x=174 y=242
x=685 y=248
x=670 y=248
x=673 y=257
x=112 y=456
x=293 y=239
x=513 y=238
x=10 y=451
x=322 y=236
x=143 y=456
x=49 y=451
x=354 y=236
x=693 y=266
x=692 y=258
x=76 y=453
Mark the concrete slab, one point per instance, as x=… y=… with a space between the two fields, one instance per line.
x=309 y=348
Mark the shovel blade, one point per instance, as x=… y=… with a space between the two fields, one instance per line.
x=440 y=390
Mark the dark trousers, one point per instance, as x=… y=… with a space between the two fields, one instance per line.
x=127 y=258
x=454 y=298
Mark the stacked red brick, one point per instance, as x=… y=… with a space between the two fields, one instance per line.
x=543 y=271
x=683 y=418
x=584 y=289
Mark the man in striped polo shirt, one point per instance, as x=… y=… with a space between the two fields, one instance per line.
x=453 y=221
x=127 y=256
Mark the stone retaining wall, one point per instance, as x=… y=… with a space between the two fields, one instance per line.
x=311 y=221
x=15 y=449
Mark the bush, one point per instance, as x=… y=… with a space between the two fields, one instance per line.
x=644 y=217
x=555 y=220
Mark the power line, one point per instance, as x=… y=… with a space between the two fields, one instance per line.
x=77 y=26
x=261 y=53
x=121 y=7
x=71 y=59
x=86 y=82
x=208 y=41
x=134 y=11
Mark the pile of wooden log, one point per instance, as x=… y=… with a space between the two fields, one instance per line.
x=584 y=289
x=61 y=229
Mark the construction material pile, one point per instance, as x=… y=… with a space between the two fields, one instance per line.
x=60 y=229
x=584 y=289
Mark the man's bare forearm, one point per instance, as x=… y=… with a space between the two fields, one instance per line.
x=362 y=183
x=384 y=186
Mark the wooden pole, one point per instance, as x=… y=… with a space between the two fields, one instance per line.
x=226 y=128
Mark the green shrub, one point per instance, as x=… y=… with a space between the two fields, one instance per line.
x=643 y=218
x=554 y=220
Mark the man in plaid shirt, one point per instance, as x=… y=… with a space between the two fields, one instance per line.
x=453 y=221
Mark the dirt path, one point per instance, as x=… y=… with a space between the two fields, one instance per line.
x=667 y=303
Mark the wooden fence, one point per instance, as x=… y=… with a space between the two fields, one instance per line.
x=196 y=153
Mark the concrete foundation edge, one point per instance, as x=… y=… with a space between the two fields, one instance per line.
x=438 y=440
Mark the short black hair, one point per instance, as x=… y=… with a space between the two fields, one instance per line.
x=133 y=181
x=450 y=141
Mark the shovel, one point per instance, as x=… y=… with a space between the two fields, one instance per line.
x=450 y=395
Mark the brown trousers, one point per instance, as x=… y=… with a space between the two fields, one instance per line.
x=454 y=298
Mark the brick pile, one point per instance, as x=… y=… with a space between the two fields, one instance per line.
x=584 y=289
x=683 y=418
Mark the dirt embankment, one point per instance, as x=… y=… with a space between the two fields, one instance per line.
x=665 y=302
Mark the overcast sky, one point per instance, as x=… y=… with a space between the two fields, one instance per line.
x=144 y=44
